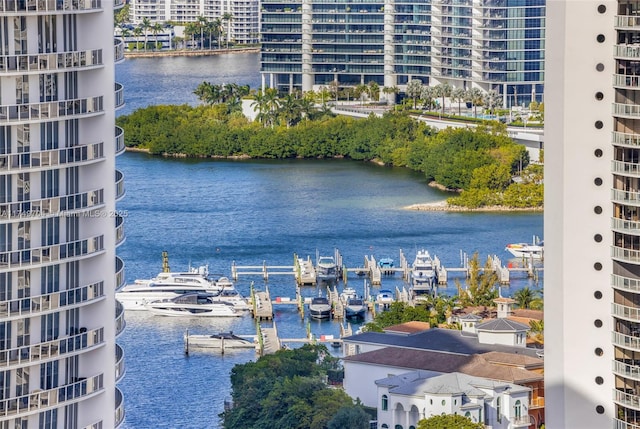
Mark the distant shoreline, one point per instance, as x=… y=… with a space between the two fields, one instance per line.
x=443 y=206
x=190 y=52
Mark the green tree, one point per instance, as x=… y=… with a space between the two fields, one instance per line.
x=481 y=285
x=414 y=91
x=476 y=98
x=146 y=26
x=428 y=95
x=444 y=90
x=228 y=17
x=373 y=89
x=155 y=29
x=491 y=100
x=201 y=23
x=525 y=296
x=137 y=32
x=122 y=16
x=448 y=421
x=458 y=95
x=349 y=418
x=492 y=176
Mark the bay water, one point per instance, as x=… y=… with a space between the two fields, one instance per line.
x=253 y=212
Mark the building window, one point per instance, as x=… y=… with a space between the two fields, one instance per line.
x=385 y=403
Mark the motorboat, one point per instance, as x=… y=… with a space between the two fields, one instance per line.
x=320 y=308
x=526 y=251
x=386 y=266
x=326 y=268
x=228 y=293
x=355 y=308
x=166 y=285
x=384 y=297
x=347 y=293
x=193 y=304
x=424 y=276
x=221 y=340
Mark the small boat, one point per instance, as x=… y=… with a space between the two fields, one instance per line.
x=193 y=304
x=326 y=268
x=386 y=266
x=384 y=297
x=355 y=308
x=221 y=340
x=526 y=251
x=347 y=293
x=230 y=294
x=424 y=276
x=320 y=308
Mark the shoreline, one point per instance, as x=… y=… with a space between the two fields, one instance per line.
x=443 y=206
x=190 y=52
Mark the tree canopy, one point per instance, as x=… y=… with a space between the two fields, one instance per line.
x=448 y=421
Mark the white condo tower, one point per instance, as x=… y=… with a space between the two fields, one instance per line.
x=59 y=227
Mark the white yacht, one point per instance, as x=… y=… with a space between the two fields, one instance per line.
x=320 y=308
x=526 y=251
x=167 y=285
x=221 y=340
x=193 y=304
x=424 y=276
x=326 y=268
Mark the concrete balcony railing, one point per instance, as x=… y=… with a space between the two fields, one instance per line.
x=626 y=51
x=49 y=350
x=118 y=50
x=520 y=422
x=42 y=6
x=46 y=255
x=626 y=21
x=119 y=95
x=67 y=157
x=626 y=370
x=629 y=227
x=625 y=197
x=536 y=402
x=96 y=425
x=120 y=236
x=625 y=341
x=37 y=112
x=625 y=312
x=631 y=169
x=120 y=147
x=620 y=424
x=41 y=400
x=625 y=139
x=120 y=191
x=626 y=81
x=43 y=304
x=38 y=63
x=626 y=110
x=120 y=322
x=120 y=368
x=631 y=256
x=119 y=418
x=626 y=399
x=120 y=280
x=55 y=206
x=625 y=283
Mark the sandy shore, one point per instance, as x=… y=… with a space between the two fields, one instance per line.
x=442 y=206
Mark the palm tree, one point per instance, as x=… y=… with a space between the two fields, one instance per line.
x=155 y=29
x=324 y=94
x=190 y=29
x=289 y=109
x=266 y=104
x=373 y=90
x=476 y=98
x=146 y=25
x=218 y=29
x=390 y=90
x=201 y=22
x=524 y=297
x=444 y=91
x=427 y=94
x=414 y=89
x=458 y=95
x=228 y=17
x=137 y=32
x=492 y=100
x=360 y=91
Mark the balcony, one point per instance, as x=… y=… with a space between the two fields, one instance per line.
x=120 y=236
x=625 y=197
x=626 y=51
x=631 y=256
x=625 y=312
x=55 y=206
x=627 y=22
x=48 y=255
x=630 y=169
x=120 y=280
x=620 y=424
x=626 y=110
x=61 y=61
x=119 y=95
x=626 y=399
x=120 y=322
x=625 y=341
x=37 y=7
x=629 y=227
x=536 y=403
x=120 y=191
x=119 y=409
x=118 y=50
x=120 y=147
x=520 y=422
x=37 y=112
x=38 y=305
x=51 y=350
x=626 y=81
x=625 y=283
x=625 y=139
x=41 y=400
x=67 y=157
x=626 y=370
x=120 y=368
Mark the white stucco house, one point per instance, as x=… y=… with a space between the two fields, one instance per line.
x=405 y=399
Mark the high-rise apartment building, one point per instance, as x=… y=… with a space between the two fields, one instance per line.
x=592 y=215
x=240 y=17
x=487 y=44
x=59 y=227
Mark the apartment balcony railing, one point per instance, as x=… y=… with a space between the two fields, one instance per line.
x=628 y=110
x=68 y=157
x=625 y=283
x=118 y=50
x=626 y=370
x=120 y=147
x=625 y=312
x=54 y=206
x=40 y=400
x=119 y=95
x=120 y=235
x=119 y=409
x=120 y=280
x=120 y=191
x=625 y=168
x=625 y=197
x=35 y=112
x=625 y=255
x=47 y=255
x=35 y=353
x=96 y=425
x=520 y=422
x=42 y=304
x=120 y=322
x=626 y=399
x=536 y=402
x=626 y=51
x=40 y=6
x=620 y=424
x=625 y=139
x=72 y=60
x=629 y=227
x=120 y=367
x=625 y=341
x=626 y=81
x=626 y=21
